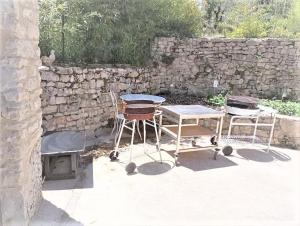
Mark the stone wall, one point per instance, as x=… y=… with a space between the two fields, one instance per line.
x=78 y=98
x=20 y=159
x=256 y=67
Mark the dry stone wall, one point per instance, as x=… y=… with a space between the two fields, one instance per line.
x=77 y=98
x=256 y=67
x=21 y=115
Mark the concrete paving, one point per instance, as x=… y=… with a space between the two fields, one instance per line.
x=250 y=187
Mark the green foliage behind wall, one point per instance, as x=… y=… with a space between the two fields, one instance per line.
x=252 y=18
x=113 y=31
x=121 y=31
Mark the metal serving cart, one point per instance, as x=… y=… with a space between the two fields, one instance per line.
x=246 y=111
x=253 y=121
x=178 y=113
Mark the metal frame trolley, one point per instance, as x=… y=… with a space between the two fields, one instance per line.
x=265 y=112
x=178 y=113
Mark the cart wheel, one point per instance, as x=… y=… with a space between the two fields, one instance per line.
x=193 y=143
x=227 y=150
x=177 y=162
x=213 y=140
x=130 y=168
x=113 y=155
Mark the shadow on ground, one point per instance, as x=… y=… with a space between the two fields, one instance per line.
x=262 y=155
x=155 y=168
x=202 y=160
x=50 y=214
x=83 y=180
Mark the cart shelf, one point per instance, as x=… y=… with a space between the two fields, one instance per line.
x=188 y=131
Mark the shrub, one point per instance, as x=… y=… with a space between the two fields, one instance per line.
x=283 y=107
x=113 y=31
x=218 y=100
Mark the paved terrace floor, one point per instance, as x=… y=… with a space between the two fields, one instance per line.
x=250 y=187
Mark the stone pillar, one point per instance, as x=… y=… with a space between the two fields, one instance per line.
x=20 y=122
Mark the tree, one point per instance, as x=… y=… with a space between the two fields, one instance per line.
x=252 y=18
x=113 y=31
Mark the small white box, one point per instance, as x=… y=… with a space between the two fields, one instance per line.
x=216 y=83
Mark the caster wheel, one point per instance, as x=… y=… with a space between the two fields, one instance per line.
x=227 y=150
x=130 y=168
x=213 y=140
x=193 y=143
x=113 y=155
x=177 y=162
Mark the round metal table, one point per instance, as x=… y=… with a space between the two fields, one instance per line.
x=131 y=97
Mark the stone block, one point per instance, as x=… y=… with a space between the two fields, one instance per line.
x=99 y=83
x=92 y=84
x=60 y=100
x=64 y=78
x=104 y=75
x=64 y=70
x=49 y=76
x=50 y=109
x=133 y=74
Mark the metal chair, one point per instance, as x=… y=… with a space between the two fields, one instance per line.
x=119 y=116
x=133 y=113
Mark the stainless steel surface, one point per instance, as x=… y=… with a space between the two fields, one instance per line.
x=131 y=97
x=63 y=142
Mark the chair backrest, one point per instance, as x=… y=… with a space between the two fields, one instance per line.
x=114 y=101
x=139 y=111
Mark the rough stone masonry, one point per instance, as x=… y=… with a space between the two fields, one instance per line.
x=20 y=159
x=257 y=67
x=77 y=98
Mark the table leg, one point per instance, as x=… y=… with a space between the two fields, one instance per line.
x=160 y=125
x=255 y=129
x=230 y=126
x=220 y=126
x=271 y=133
x=178 y=141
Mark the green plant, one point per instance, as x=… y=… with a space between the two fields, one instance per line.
x=252 y=18
x=113 y=31
x=218 y=100
x=283 y=107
